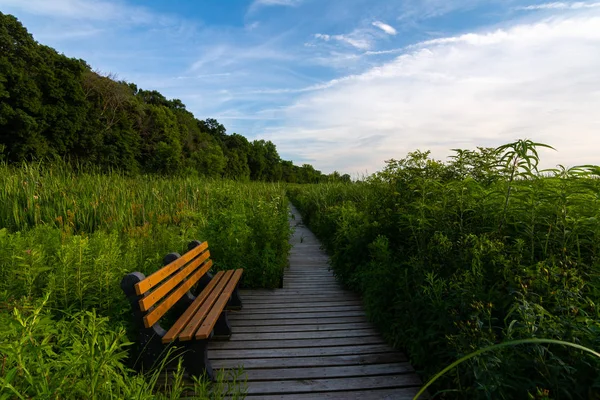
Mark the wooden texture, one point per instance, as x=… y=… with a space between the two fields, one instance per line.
x=335 y=384
x=372 y=394
x=200 y=315
x=311 y=339
x=153 y=316
x=161 y=291
x=299 y=352
x=294 y=343
x=303 y=309
x=297 y=321
x=309 y=327
x=310 y=362
x=211 y=319
x=186 y=317
x=268 y=374
x=157 y=277
x=259 y=307
x=299 y=315
x=268 y=336
x=295 y=299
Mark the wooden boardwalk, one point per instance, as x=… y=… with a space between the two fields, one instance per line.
x=311 y=339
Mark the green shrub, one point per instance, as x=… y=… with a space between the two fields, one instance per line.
x=69 y=237
x=454 y=257
x=80 y=356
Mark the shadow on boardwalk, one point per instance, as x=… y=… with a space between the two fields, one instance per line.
x=311 y=339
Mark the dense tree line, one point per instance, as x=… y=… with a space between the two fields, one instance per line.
x=54 y=106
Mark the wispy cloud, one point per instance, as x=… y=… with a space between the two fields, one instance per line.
x=256 y=4
x=225 y=55
x=537 y=80
x=385 y=27
x=418 y=10
x=78 y=33
x=354 y=39
x=559 y=6
x=252 y=26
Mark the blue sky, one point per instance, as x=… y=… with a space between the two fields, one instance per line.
x=347 y=84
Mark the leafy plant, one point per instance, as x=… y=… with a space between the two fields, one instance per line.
x=455 y=257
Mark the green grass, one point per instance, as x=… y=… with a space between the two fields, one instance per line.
x=67 y=239
x=454 y=257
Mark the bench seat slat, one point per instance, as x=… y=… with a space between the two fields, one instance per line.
x=190 y=329
x=186 y=317
x=160 y=275
x=168 y=285
x=153 y=316
x=211 y=318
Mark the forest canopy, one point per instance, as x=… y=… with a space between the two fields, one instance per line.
x=53 y=106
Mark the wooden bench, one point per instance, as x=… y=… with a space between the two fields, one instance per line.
x=199 y=318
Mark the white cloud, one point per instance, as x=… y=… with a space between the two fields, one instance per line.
x=252 y=26
x=385 y=27
x=226 y=55
x=355 y=39
x=268 y=3
x=560 y=6
x=538 y=80
x=417 y=10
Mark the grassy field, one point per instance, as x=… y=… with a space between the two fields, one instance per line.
x=68 y=238
x=451 y=258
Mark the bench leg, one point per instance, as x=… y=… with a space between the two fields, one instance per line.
x=196 y=360
x=222 y=329
x=151 y=349
x=235 y=302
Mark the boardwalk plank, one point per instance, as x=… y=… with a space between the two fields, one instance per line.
x=344 y=333
x=252 y=306
x=300 y=328
x=309 y=287
x=302 y=309
x=298 y=321
x=270 y=374
x=219 y=354
x=335 y=384
x=304 y=297
x=310 y=362
x=298 y=315
x=373 y=394
x=309 y=277
x=297 y=343
x=296 y=292
x=291 y=295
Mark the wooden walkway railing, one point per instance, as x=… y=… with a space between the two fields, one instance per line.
x=311 y=339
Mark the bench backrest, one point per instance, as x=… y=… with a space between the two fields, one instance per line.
x=163 y=289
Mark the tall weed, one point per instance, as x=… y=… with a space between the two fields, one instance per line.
x=68 y=237
x=458 y=256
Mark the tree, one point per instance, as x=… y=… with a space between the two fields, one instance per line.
x=237 y=149
x=52 y=105
x=214 y=128
x=110 y=97
x=208 y=158
x=288 y=172
x=160 y=131
x=21 y=97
